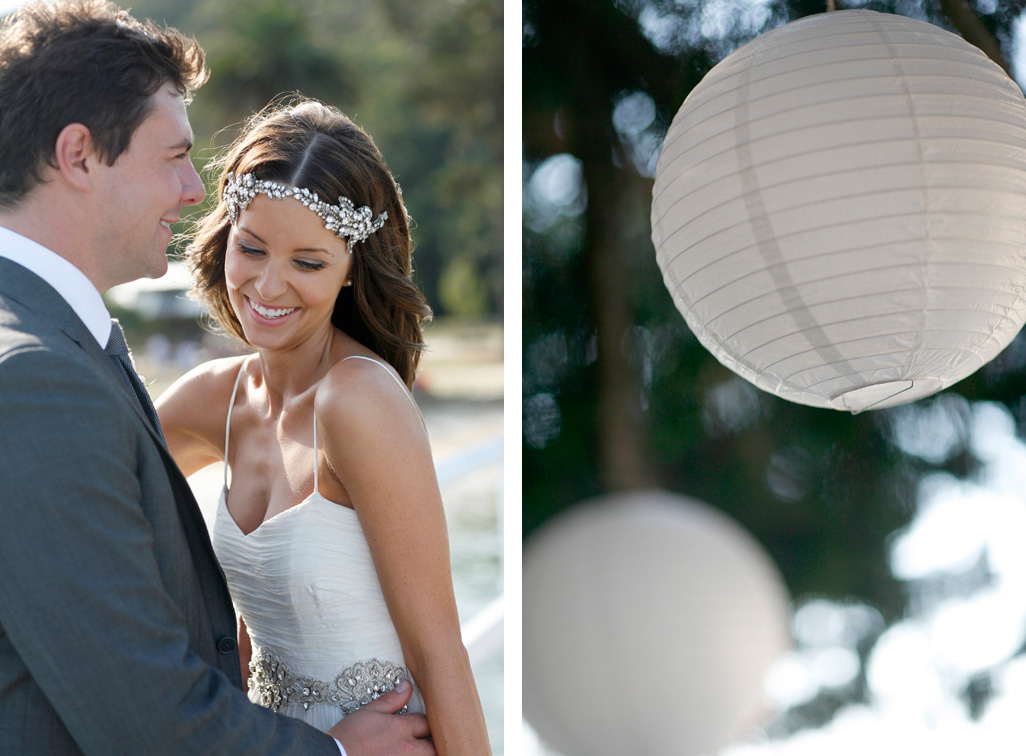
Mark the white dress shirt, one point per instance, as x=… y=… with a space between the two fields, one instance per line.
x=73 y=286
x=71 y=283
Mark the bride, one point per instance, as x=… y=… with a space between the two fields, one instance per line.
x=330 y=527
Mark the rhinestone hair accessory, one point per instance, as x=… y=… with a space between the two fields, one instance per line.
x=345 y=220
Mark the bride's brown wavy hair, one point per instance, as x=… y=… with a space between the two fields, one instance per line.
x=305 y=143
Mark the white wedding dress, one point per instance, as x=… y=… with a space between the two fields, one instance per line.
x=304 y=582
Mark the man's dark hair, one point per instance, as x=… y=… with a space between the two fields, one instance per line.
x=81 y=61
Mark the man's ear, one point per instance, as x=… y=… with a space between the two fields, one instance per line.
x=75 y=155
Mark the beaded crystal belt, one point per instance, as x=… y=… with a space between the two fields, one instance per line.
x=278 y=686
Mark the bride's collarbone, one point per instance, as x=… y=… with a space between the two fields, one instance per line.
x=273 y=439
x=270 y=476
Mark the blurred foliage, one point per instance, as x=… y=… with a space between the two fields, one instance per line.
x=423 y=78
x=822 y=490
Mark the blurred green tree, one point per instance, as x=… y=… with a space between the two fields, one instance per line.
x=264 y=47
x=453 y=91
x=423 y=78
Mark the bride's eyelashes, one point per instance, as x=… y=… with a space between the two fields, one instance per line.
x=302 y=264
x=249 y=251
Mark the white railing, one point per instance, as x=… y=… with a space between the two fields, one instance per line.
x=482 y=633
x=459 y=464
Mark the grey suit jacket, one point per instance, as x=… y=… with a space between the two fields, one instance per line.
x=117 y=634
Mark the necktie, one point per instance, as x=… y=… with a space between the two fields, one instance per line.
x=117 y=350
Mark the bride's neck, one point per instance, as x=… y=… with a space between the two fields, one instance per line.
x=288 y=373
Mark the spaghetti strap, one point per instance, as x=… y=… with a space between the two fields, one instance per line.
x=355 y=357
x=228 y=422
x=317 y=490
x=390 y=373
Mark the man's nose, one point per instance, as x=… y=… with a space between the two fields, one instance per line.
x=193 y=190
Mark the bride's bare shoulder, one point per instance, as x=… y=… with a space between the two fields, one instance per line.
x=194 y=411
x=197 y=403
x=205 y=381
x=363 y=389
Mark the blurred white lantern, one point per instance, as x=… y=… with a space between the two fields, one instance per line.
x=839 y=210
x=649 y=621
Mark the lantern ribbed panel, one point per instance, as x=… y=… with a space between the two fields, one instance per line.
x=649 y=622
x=839 y=210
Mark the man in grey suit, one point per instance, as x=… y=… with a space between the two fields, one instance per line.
x=117 y=634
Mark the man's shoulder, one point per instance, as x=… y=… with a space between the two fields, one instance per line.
x=21 y=327
x=32 y=311
x=33 y=341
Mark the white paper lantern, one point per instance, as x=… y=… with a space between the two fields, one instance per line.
x=839 y=210
x=649 y=621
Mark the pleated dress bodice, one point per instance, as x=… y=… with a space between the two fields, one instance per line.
x=305 y=584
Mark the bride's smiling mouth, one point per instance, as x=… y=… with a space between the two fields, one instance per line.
x=269 y=314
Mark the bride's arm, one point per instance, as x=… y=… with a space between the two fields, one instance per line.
x=245 y=652
x=193 y=412
x=377 y=445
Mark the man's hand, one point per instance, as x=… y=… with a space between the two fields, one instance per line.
x=375 y=730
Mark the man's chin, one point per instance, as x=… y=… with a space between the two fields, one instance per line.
x=159 y=269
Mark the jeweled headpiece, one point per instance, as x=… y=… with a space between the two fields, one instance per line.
x=345 y=219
